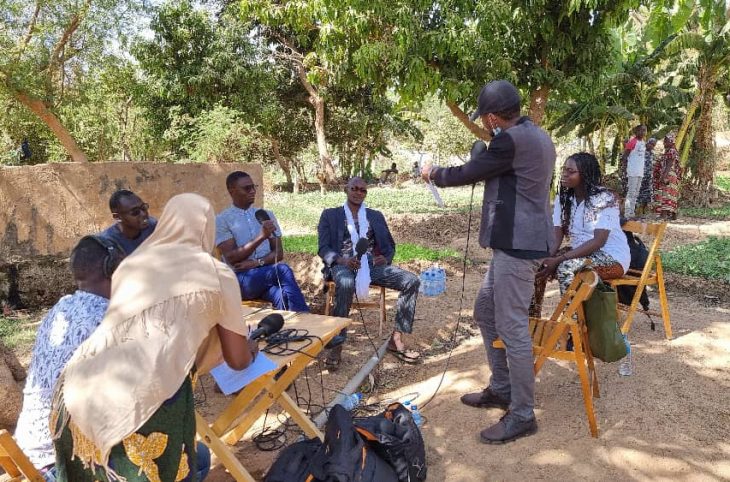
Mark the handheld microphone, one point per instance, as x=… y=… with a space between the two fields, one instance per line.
x=361 y=247
x=261 y=215
x=269 y=325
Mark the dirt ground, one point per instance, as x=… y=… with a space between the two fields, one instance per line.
x=667 y=421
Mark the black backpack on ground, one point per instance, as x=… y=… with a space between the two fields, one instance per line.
x=397 y=439
x=639 y=257
x=345 y=456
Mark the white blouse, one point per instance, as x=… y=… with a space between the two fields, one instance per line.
x=602 y=215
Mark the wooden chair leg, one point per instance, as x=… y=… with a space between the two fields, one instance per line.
x=580 y=362
x=663 y=303
x=382 y=311
x=328 y=300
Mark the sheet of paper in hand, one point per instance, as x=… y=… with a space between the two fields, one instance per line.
x=231 y=381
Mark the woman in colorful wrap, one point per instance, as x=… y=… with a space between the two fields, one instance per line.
x=123 y=407
x=667 y=175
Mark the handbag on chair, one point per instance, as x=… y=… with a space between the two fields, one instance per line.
x=607 y=342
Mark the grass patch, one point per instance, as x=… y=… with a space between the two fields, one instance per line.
x=708 y=259
x=299 y=213
x=723 y=183
x=16 y=333
x=307 y=243
x=722 y=212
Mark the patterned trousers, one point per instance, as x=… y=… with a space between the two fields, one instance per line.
x=390 y=277
x=605 y=266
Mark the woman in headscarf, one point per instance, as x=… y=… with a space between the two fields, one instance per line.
x=124 y=403
x=667 y=175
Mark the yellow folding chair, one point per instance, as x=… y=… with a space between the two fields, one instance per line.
x=15 y=462
x=378 y=304
x=550 y=338
x=652 y=274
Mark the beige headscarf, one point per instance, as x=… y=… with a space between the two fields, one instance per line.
x=166 y=299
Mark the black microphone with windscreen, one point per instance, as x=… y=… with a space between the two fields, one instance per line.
x=361 y=247
x=269 y=325
x=261 y=215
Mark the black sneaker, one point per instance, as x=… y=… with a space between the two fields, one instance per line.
x=508 y=429
x=485 y=399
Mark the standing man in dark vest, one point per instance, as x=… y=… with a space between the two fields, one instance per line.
x=517 y=168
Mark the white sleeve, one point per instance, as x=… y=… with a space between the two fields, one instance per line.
x=556 y=213
x=608 y=218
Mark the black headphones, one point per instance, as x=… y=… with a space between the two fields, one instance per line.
x=114 y=253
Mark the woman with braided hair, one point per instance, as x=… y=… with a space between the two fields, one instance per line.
x=588 y=214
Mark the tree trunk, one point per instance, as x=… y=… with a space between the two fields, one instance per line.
x=283 y=162
x=538 y=102
x=40 y=109
x=325 y=160
x=704 y=158
x=479 y=132
x=682 y=132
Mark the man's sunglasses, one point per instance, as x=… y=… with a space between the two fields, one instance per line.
x=136 y=211
x=363 y=190
x=250 y=187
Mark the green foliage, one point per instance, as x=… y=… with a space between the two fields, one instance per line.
x=299 y=213
x=404 y=251
x=707 y=259
x=221 y=135
x=16 y=333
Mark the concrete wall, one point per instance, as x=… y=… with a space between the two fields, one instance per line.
x=45 y=209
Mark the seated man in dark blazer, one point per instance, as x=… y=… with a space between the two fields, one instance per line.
x=339 y=230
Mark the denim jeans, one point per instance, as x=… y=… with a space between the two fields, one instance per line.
x=274 y=283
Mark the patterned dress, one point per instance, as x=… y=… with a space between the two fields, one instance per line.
x=69 y=323
x=645 y=191
x=163 y=449
x=666 y=191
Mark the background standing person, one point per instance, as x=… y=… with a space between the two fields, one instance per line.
x=518 y=168
x=634 y=158
x=646 y=191
x=667 y=175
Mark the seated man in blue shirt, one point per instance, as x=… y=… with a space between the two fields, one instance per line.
x=253 y=249
x=133 y=221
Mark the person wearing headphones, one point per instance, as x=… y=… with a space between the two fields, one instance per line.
x=69 y=323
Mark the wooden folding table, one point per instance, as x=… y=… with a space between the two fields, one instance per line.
x=257 y=397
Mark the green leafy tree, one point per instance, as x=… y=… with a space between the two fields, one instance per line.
x=48 y=46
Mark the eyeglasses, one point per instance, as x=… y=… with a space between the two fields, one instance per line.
x=137 y=210
x=363 y=190
x=250 y=187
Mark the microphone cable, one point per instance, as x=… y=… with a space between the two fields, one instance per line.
x=452 y=342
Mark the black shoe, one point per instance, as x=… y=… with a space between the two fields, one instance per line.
x=485 y=399
x=508 y=429
x=336 y=341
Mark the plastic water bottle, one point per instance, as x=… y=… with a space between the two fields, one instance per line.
x=426 y=283
x=416 y=415
x=626 y=368
x=351 y=401
x=439 y=280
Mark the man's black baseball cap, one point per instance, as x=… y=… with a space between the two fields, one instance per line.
x=496 y=96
